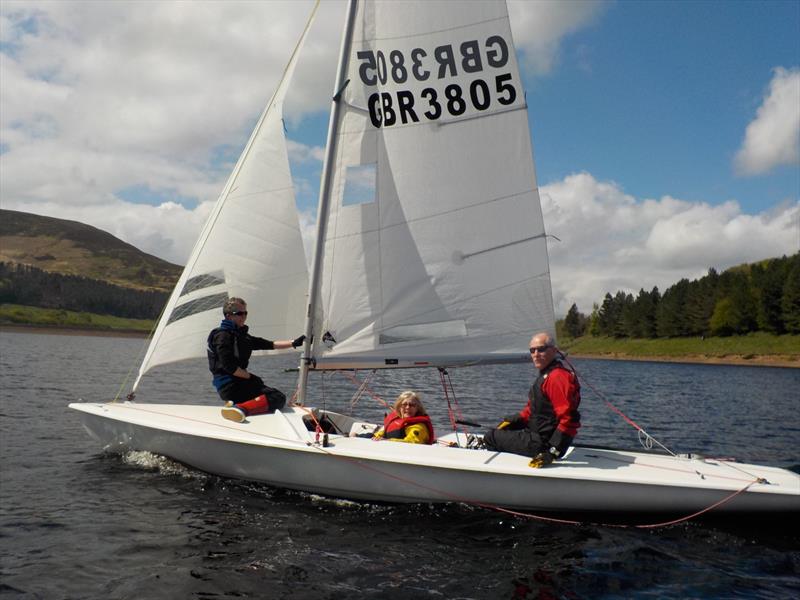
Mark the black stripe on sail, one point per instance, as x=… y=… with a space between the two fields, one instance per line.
x=213 y=302
x=198 y=282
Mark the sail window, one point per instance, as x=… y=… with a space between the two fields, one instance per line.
x=359 y=185
x=213 y=302
x=423 y=331
x=199 y=282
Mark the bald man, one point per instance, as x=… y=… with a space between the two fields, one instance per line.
x=545 y=428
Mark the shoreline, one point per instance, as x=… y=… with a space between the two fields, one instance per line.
x=779 y=360
x=64 y=330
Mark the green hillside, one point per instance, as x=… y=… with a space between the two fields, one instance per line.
x=72 y=248
x=753 y=348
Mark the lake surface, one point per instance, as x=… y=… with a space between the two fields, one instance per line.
x=76 y=523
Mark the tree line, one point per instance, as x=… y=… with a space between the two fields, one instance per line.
x=762 y=296
x=29 y=286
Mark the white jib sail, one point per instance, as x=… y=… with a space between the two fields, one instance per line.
x=435 y=250
x=250 y=247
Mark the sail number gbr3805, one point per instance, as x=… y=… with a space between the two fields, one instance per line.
x=450 y=79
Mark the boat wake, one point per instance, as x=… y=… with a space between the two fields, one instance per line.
x=161 y=464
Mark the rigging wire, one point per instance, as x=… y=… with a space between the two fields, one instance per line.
x=374 y=395
x=645 y=439
x=361 y=389
x=137 y=359
x=453 y=410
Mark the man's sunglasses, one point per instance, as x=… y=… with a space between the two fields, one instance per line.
x=236 y=313
x=539 y=349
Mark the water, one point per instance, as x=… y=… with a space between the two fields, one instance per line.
x=75 y=523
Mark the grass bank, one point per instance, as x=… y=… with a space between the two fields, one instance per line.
x=754 y=348
x=32 y=316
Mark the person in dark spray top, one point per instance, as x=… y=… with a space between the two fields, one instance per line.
x=229 y=349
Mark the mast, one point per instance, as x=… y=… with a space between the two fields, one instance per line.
x=324 y=197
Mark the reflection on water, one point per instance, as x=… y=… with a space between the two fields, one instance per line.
x=75 y=523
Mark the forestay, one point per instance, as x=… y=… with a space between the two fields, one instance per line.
x=250 y=247
x=435 y=251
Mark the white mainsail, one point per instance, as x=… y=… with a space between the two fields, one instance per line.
x=435 y=247
x=250 y=247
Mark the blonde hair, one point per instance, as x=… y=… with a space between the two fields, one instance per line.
x=409 y=395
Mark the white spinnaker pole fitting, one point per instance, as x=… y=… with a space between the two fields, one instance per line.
x=324 y=198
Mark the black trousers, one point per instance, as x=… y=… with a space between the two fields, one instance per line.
x=242 y=390
x=517 y=441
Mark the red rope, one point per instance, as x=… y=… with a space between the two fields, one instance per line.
x=700 y=512
x=444 y=493
x=358 y=383
x=612 y=407
x=496 y=508
x=454 y=410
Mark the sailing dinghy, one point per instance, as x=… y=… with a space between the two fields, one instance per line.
x=430 y=252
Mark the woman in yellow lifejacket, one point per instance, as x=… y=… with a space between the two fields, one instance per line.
x=408 y=422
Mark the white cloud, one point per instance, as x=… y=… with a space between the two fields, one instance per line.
x=301 y=153
x=100 y=97
x=772 y=139
x=539 y=28
x=308 y=229
x=611 y=241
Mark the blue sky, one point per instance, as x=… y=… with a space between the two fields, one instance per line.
x=666 y=134
x=657 y=95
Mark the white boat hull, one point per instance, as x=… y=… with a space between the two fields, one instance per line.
x=280 y=450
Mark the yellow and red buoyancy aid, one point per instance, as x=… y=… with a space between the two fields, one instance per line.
x=394 y=426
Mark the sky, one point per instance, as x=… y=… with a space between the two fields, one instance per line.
x=666 y=135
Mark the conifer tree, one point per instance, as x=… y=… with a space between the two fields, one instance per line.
x=606 y=316
x=790 y=301
x=574 y=322
x=670 y=314
x=734 y=284
x=768 y=281
x=594 y=321
x=700 y=302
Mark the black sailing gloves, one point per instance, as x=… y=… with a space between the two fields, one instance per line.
x=298 y=341
x=557 y=450
x=544 y=458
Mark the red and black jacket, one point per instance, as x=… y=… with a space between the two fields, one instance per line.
x=552 y=409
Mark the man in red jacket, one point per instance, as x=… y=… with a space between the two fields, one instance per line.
x=545 y=428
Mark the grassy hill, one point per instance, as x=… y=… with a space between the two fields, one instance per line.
x=49 y=319
x=753 y=348
x=72 y=248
